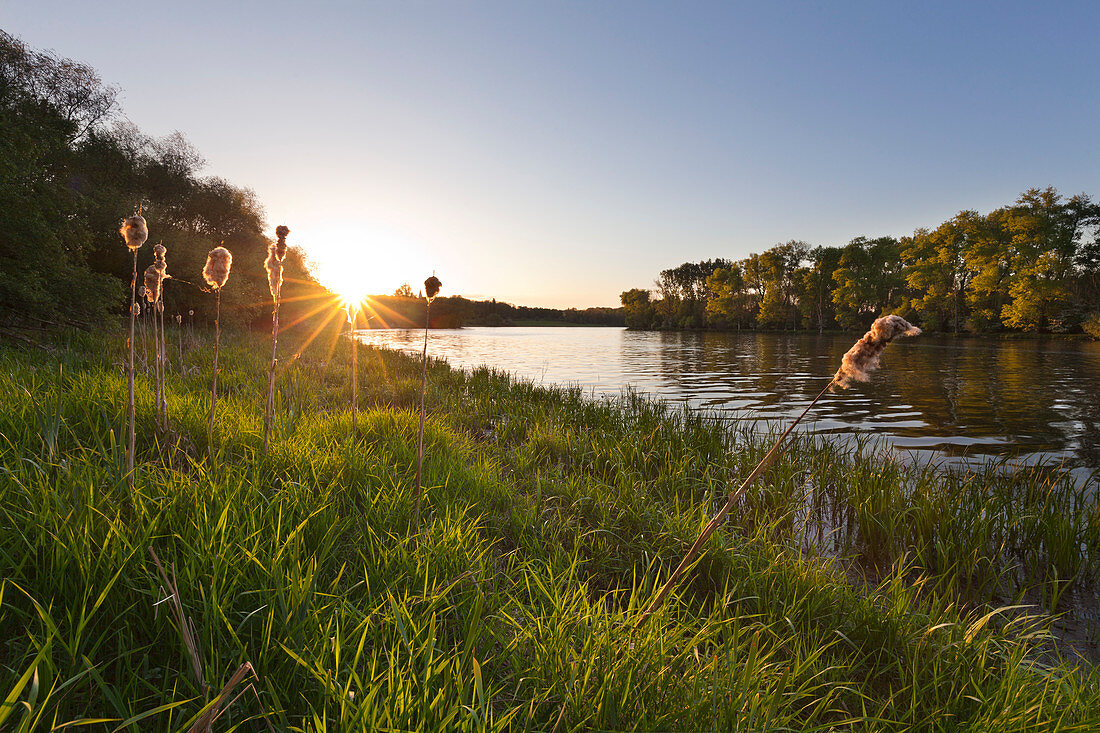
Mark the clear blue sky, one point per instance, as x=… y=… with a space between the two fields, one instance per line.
x=557 y=153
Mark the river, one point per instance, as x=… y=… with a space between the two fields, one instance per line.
x=954 y=401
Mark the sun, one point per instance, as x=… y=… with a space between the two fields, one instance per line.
x=354 y=269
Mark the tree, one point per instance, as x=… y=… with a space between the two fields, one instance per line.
x=638 y=309
x=869 y=281
x=1045 y=234
x=404 y=291
x=938 y=270
x=814 y=286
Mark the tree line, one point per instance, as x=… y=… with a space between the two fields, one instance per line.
x=404 y=309
x=71 y=167
x=1032 y=266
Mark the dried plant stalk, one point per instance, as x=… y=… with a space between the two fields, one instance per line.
x=274 y=266
x=431 y=289
x=152 y=297
x=857 y=363
x=186 y=627
x=353 y=315
x=134 y=232
x=216 y=272
x=161 y=267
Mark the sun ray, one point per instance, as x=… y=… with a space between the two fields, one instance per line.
x=330 y=303
x=316 y=332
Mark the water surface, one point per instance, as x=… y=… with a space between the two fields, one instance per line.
x=952 y=400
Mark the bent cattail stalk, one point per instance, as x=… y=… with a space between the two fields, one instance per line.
x=860 y=360
x=274 y=266
x=134 y=231
x=218 y=263
x=431 y=289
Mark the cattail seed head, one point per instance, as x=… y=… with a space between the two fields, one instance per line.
x=431 y=287
x=179 y=319
x=280 y=246
x=152 y=284
x=218 y=263
x=134 y=231
x=159 y=261
x=274 y=266
x=135 y=309
x=863 y=357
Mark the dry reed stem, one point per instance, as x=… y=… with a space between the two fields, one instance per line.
x=714 y=523
x=353 y=318
x=857 y=362
x=130 y=432
x=274 y=267
x=205 y=722
x=214 y=379
x=433 y=288
x=152 y=296
x=186 y=627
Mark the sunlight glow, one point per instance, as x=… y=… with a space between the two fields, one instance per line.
x=355 y=263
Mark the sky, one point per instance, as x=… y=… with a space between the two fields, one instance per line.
x=558 y=153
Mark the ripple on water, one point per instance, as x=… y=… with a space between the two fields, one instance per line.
x=1032 y=401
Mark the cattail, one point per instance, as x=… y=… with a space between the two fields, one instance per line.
x=274 y=266
x=216 y=272
x=218 y=263
x=431 y=289
x=856 y=365
x=134 y=231
x=280 y=233
x=863 y=357
x=152 y=284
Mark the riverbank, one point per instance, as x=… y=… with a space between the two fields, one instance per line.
x=550 y=519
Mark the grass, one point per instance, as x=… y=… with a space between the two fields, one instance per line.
x=551 y=520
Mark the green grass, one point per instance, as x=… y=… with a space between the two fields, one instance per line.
x=549 y=521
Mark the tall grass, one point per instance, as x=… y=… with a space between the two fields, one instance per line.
x=554 y=518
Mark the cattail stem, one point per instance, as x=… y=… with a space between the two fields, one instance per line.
x=714 y=523
x=269 y=414
x=163 y=365
x=354 y=375
x=130 y=439
x=179 y=339
x=420 y=441
x=156 y=364
x=214 y=382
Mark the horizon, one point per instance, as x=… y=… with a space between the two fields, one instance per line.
x=501 y=145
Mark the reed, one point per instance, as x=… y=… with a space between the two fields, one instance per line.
x=161 y=266
x=134 y=232
x=353 y=320
x=431 y=289
x=152 y=297
x=857 y=364
x=274 y=265
x=179 y=339
x=510 y=608
x=219 y=261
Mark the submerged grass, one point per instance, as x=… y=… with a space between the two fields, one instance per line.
x=552 y=521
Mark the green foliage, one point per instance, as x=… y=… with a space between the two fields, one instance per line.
x=1091 y=325
x=67 y=177
x=550 y=521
